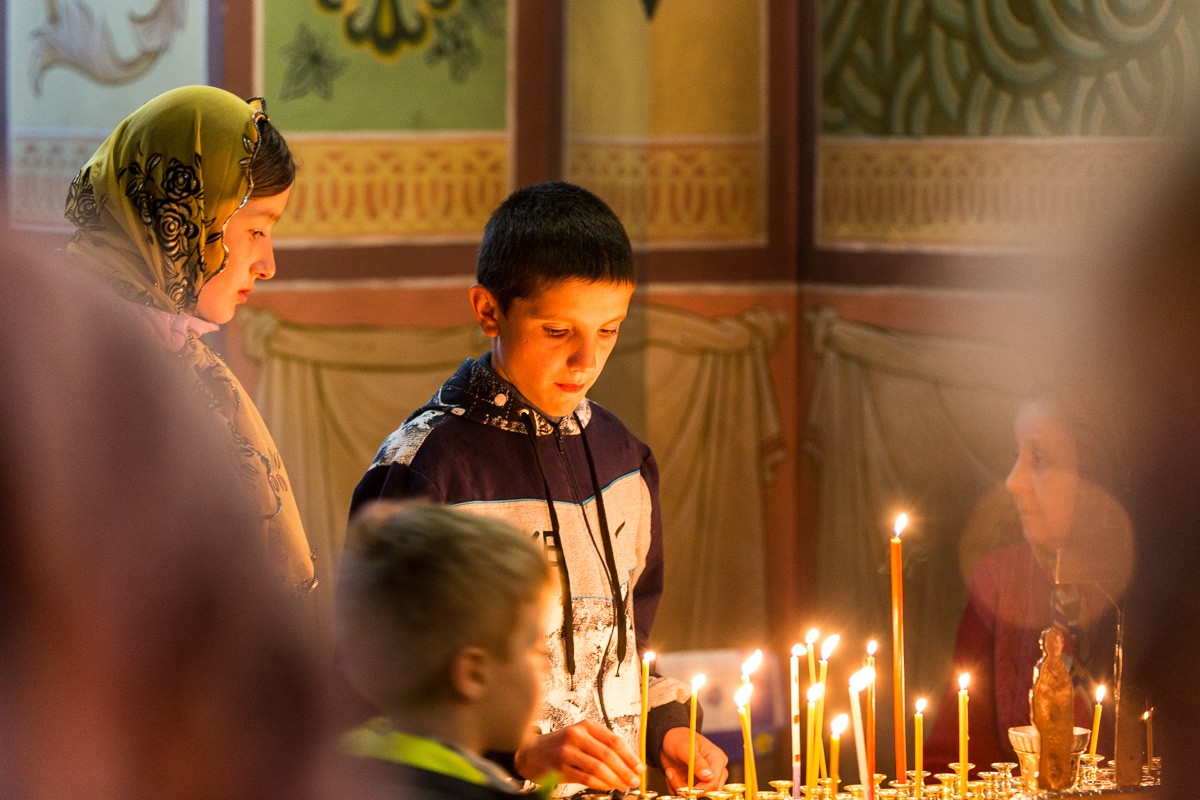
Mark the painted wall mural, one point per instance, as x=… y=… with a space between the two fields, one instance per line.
x=397 y=112
x=75 y=68
x=665 y=116
x=953 y=122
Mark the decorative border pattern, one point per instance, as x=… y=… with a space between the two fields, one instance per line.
x=677 y=192
x=376 y=190
x=968 y=193
x=41 y=168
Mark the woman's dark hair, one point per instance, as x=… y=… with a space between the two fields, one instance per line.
x=272 y=170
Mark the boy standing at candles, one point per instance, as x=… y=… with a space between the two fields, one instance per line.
x=513 y=434
x=441 y=620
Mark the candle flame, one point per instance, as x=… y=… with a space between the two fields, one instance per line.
x=921 y=703
x=1101 y=690
x=838 y=726
x=963 y=680
x=698 y=682
x=799 y=650
x=648 y=656
x=872 y=646
x=901 y=524
x=829 y=645
x=1146 y=715
x=752 y=663
x=862 y=679
x=742 y=696
x=816 y=692
x=811 y=638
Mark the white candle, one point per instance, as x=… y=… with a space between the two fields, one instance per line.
x=858 y=682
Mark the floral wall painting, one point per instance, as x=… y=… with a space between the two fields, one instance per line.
x=74 y=69
x=398 y=110
x=957 y=123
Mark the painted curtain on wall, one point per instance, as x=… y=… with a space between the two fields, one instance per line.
x=74 y=69
x=665 y=116
x=969 y=122
x=397 y=112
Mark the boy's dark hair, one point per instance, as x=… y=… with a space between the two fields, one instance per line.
x=551 y=232
x=417 y=583
x=272 y=169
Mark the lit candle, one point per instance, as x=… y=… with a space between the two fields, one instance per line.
x=898 y=703
x=697 y=685
x=742 y=699
x=1149 y=737
x=1100 y=691
x=836 y=728
x=815 y=693
x=963 y=680
x=919 y=745
x=827 y=647
x=858 y=682
x=811 y=640
x=647 y=657
x=797 y=772
x=749 y=667
x=872 y=646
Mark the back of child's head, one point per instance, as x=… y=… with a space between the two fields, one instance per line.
x=551 y=232
x=417 y=583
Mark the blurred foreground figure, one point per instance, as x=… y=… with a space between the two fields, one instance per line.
x=145 y=649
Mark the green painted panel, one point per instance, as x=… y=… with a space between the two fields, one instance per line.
x=1007 y=67
x=386 y=65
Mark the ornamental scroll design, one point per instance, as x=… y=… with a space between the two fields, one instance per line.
x=75 y=38
x=394 y=188
x=676 y=191
x=1007 y=67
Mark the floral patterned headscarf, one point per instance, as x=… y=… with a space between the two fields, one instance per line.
x=152 y=203
x=150 y=208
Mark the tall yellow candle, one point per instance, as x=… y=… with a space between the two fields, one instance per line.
x=815 y=692
x=1100 y=692
x=836 y=728
x=870 y=709
x=1149 y=737
x=858 y=682
x=797 y=760
x=919 y=746
x=742 y=699
x=810 y=639
x=898 y=703
x=827 y=647
x=749 y=667
x=697 y=685
x=647 y=657
x=963 y=680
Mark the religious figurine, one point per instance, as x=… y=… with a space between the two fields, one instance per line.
x=1052 y=706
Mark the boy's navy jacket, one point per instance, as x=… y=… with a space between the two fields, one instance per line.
x=479 y=445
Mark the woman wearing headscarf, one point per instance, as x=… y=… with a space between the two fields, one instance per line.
x=174 y=211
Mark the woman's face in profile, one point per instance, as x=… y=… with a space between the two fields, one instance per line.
x=1044 y=481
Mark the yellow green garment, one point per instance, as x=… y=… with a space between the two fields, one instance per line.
x=378 y=740
x=150 y=209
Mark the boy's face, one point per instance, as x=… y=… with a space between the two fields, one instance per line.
x=518 y=683
x=553 y=346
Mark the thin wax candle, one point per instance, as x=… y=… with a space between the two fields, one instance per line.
x=858 y=682
x=647 y=657
x=919 y=746
x=898 y=704
x=797 y=761
x=963 y=680
x=1146 y=717
x=749 y=667
x=815 y=692
x=742 y=699
x=1100 y=692
x=869 y=711
x=827 y=648
x=836 y=729
x=697 y=685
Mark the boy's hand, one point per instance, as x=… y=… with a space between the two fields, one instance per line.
x=710 y=761
x=586 y=752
